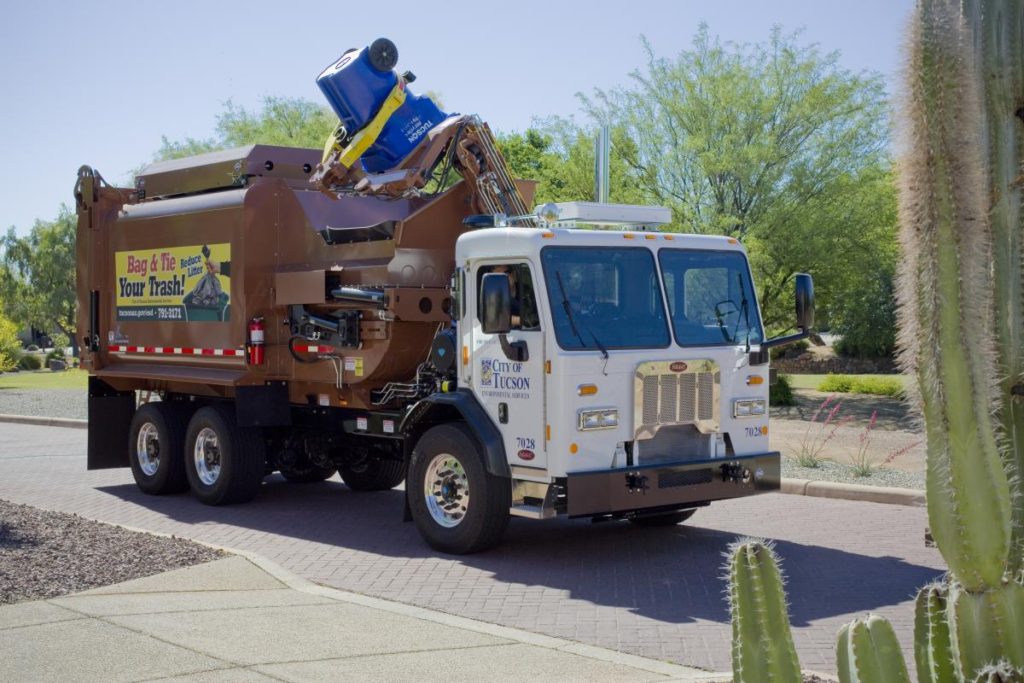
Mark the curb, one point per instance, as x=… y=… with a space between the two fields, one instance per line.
x=675 y=672
x=857 y=492
x=45 y=421
x=800 y=487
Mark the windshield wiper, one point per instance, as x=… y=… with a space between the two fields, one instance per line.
x=572 y=319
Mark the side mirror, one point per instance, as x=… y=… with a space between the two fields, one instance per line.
x=804 y=301
x=495 y=303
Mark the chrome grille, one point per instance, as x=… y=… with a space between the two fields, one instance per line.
x=668 y=395
x=688 y=398
x=705 y=396
x=650 y=399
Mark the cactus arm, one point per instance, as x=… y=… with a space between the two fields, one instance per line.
x=867 y=652
x=762 y=648
x=932 y=649
x=946 y=302
x=1000 y=38
x=986 y=627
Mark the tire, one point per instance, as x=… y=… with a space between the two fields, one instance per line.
x=225 y=464
x=667 y=519
x=155 y=441
x=373 y=474
x=450 y=454
x=307 y=473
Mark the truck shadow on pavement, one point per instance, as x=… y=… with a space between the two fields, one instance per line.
x=673 y=575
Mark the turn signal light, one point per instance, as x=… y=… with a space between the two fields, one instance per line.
x=755 y=379
x=586 y=390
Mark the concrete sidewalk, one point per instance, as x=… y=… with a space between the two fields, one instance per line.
x=245 y=619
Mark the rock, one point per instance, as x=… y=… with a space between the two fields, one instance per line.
x=58 y=365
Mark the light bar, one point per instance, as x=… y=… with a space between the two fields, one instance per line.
x=594 y=213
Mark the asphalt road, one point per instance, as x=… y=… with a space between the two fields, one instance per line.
x=652 y=592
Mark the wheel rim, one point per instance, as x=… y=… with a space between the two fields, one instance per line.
x=446 y=490
x=147 y=449
x=206 y=455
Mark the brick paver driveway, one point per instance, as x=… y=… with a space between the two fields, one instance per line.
x=654 y=592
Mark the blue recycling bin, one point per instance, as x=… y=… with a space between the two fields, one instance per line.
x=356 y=86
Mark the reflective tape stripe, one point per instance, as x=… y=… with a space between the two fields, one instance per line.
x=176 y=350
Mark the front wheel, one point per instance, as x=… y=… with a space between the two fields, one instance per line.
x=457 y=505
x=225 y=464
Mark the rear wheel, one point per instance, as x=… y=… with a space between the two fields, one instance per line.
x=155 y=442
x=457 y=505
x=667 y=519
x=225 y=464
x=373 y=474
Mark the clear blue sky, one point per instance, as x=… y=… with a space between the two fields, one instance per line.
x=98 y=83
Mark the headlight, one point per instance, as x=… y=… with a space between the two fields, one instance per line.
x=600 y=418
x=749 y=407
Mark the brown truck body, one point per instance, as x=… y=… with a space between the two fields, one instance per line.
x=255 y=203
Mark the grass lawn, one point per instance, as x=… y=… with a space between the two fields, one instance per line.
x=44 y=379
x=813 y=381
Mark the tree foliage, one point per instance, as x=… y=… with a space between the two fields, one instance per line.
x=559 y=155
x=286 y=121
x=9 y=344
x=773 y=144
x=37 y=275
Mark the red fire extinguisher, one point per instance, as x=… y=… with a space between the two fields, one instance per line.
x=254 y=350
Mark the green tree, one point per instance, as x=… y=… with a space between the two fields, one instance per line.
x=9 y=344
x=37 y=275
x=286 y=121
x=773 y=144
x=559 y=154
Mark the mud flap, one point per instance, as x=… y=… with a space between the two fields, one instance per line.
x=110 y=418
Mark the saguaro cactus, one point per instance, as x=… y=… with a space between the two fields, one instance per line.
x=986 y=627
x=997 y=28
x=867 y=652
x=946 y=297
x=762 y=644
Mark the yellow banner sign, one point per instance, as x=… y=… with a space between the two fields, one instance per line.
x=188 y=284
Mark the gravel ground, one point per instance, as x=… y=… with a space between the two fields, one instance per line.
x=44 y=402
x=838 y=472
x=45 y=554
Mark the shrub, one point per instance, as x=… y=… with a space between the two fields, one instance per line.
x=832 y=384
x=865 y=320
x=818 y=434
x=789 y=350
x=30 y=362
x=31 y=347
x=55 y=354
x=9 y=344
x=60 y=342
x=878 y=386
x=781 y=393
x=865 y=384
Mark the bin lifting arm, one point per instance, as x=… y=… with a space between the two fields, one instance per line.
x=465 y=142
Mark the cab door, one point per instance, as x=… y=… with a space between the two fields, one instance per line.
x=511 y=391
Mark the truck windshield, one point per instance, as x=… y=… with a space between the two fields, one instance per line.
x=710 y=297
x=604 y=298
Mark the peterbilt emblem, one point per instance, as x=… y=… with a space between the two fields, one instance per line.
x=678 y=366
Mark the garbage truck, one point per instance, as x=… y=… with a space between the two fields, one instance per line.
x=392 y=308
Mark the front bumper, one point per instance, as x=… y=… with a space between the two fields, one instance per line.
x=631 y=489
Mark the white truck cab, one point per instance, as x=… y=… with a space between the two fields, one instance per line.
x=625 y=369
